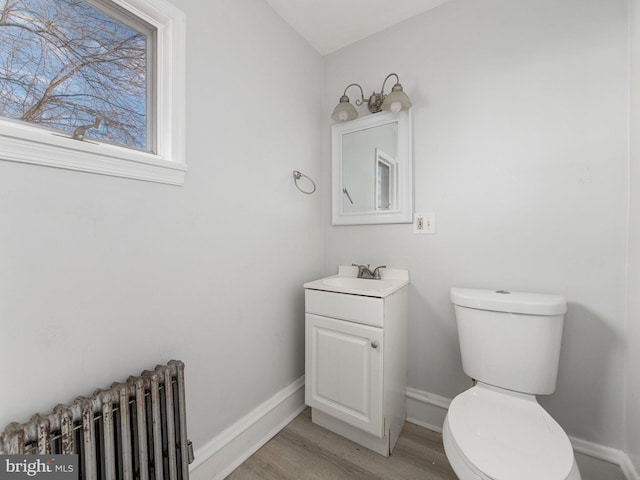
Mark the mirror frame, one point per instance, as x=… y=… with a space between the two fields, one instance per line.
x=404 y=212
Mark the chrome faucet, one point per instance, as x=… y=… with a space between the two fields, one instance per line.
x=365 y=271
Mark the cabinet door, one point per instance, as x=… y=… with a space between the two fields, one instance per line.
x=343 y=371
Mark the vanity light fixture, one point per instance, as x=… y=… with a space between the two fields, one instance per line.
x=395 y=101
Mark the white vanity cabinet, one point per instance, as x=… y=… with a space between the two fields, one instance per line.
x=355 y=360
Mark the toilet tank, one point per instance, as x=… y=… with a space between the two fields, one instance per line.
x=510 y=339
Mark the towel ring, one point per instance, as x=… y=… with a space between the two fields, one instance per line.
x=297 y=175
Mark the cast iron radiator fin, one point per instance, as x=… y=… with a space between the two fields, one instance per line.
x=133 y=430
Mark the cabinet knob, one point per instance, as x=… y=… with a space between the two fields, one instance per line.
x=374 y=344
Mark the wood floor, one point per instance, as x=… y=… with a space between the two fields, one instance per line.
x=304 y=451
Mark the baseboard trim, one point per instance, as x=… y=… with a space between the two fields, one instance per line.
x=426 y=409
x=606 y=454
x=429 y=410
x=628 y=468
x=226 y=451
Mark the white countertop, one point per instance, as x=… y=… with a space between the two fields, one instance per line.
x=346 y=281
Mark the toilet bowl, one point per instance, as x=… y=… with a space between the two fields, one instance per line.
x=490 y=434
x=497 y=430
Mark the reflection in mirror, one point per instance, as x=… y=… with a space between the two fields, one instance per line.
x=359 y=165
x=386 y=167
x=372 y=170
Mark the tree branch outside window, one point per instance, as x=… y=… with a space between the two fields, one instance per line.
x=63 y=63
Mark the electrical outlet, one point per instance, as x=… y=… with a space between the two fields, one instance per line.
x=424 y=223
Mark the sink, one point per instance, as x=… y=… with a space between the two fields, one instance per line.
x=358 y=283
x=347 y=282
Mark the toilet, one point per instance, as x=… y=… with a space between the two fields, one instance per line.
x=510 y=346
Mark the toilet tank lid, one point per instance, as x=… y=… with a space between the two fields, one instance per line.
x=506 y=301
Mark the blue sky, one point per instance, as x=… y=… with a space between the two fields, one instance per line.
x=63 y=61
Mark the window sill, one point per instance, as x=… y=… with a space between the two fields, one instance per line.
x=19 y=144
x=28 y=144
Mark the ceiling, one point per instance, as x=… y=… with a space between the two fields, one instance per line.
x=329 y=25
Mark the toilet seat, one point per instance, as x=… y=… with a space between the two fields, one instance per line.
x=502 y=435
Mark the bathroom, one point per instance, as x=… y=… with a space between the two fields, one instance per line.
x=524 y=145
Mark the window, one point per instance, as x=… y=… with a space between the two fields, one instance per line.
x=94 y=85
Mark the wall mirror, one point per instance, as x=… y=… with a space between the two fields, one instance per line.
x=372 y=170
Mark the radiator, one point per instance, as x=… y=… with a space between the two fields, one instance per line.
x=133 y=430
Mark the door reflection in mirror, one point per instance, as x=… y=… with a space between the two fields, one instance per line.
x=361 y=164
x=386 y=174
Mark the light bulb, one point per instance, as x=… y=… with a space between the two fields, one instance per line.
x=395 y=107
x=342 y=116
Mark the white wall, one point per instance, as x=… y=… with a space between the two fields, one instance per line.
x=104 y=277
x=633 y=305
x=520 y=118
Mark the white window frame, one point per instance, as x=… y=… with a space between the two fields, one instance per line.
x=29 y=144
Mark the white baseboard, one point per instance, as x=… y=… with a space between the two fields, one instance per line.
x=225 y=452
x=628 y=468
x=608 y=455
x=428 y=410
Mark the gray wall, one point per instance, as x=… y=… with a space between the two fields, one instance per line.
x=520 y=147
x=103 y=277
x=633 y=312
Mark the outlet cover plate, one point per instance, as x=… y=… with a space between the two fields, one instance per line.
x=424 y=223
